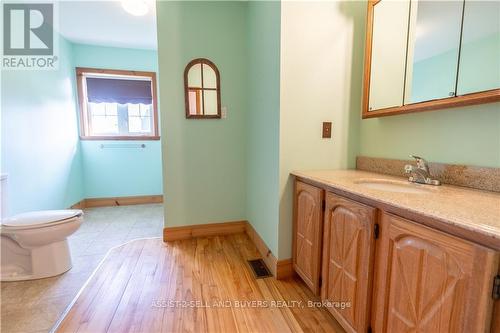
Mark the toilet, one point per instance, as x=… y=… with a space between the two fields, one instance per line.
x=34 y=245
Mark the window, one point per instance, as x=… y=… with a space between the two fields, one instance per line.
x=117 y=105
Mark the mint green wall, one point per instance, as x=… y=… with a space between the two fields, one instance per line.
x=115 y=57
x=204 y=160
x=468 y=135
x=121 y=172
x=263 y=119
x=40 y=149
x=111 y=171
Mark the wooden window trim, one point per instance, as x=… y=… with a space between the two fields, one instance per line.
x=82 y=103
x=481 y=97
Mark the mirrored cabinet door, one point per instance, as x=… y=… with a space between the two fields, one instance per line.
x=388 y=56
x=424 y=55
x=480 y=54
x=433 y=50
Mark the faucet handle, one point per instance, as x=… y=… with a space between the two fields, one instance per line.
x=421 y=163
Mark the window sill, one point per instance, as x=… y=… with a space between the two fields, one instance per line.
x=122 y=138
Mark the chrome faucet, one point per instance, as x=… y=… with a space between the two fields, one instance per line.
x=420 y=174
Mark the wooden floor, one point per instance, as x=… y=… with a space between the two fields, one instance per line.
x=138 y=284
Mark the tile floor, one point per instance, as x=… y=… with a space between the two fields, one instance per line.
x=34 y=306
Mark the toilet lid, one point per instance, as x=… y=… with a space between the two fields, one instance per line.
x=40 y=217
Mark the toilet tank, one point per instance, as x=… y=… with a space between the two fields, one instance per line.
x=3 y=195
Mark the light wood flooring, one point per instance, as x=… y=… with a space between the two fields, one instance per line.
x=34 y=306
x=196 y=285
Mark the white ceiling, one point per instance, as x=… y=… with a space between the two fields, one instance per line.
x=106 y=23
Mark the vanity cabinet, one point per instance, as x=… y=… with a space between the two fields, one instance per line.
x=348 y=248
x=430 y=280
x=308 y=230
x=384 y=273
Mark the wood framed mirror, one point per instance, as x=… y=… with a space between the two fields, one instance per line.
x=430 y=55
x=202 y=90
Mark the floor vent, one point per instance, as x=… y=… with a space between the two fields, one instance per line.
x=259 y=268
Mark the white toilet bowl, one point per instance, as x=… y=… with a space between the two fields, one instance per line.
x=34 y=245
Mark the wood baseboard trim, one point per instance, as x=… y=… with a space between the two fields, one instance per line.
x=268 y=257
x=284 y=269
x=118 y=201
x=281 y=269
x=203 y=230
x=79 y=205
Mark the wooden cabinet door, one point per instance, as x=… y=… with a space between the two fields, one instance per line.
x=429 y=281
x=308 y=228
x=348 y=247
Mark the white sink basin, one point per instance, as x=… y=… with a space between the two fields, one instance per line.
x=393 y=186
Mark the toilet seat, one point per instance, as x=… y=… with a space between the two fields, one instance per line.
x=35 y=245
x=40 y=219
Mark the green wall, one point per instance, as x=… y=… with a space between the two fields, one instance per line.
x=204 y=160
x=40 y=148
x=263 y=119
x=468 y=135
x=115 y=57
x=116 y=172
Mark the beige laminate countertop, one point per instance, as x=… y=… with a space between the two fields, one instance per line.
x=471 y=210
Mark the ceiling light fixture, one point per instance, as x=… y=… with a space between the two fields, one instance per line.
x=135 y=7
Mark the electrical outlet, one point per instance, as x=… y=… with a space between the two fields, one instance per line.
x=327 y=129
x=223 y=112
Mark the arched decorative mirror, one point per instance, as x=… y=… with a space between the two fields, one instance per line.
x=202 y=89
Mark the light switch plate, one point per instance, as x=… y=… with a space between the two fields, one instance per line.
x=327 y=130
x=223 y=112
